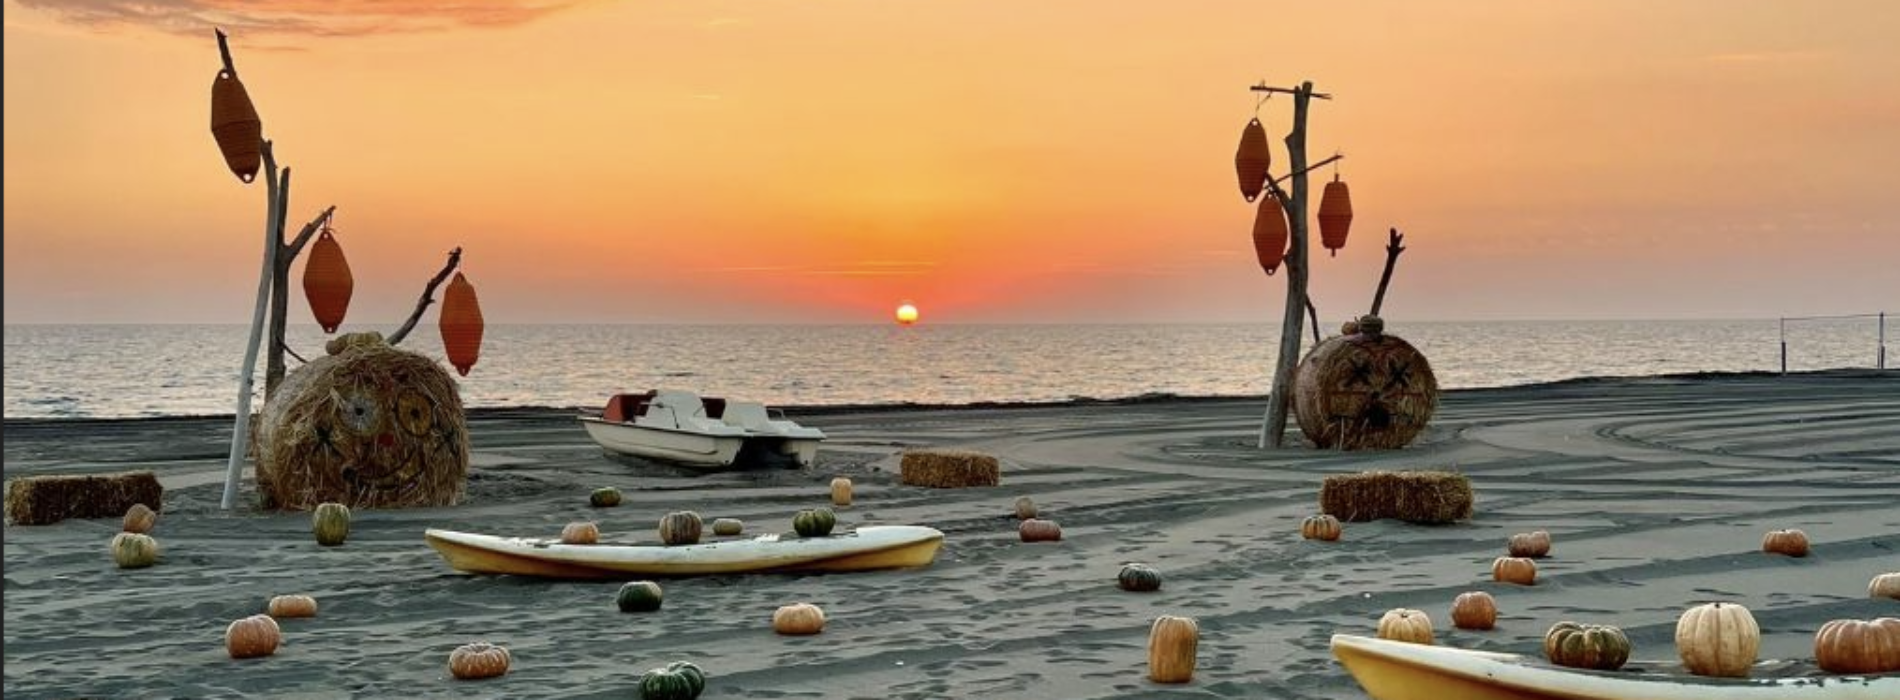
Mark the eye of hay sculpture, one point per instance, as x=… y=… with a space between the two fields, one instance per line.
x=366 y=426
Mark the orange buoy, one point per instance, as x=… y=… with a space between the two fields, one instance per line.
x=1270 y=234
x=327 y=282
x=461 y=324
x=1252 y=160
x=234 y=123
x=1335 y=215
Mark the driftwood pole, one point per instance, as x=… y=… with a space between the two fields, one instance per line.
x=1273 y=429
x=240 y=424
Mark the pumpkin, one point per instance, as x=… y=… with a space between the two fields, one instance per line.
x=841 y=491
x=1335 y=215
x=816 y=522
x=1858 y=646
x=798 y=619
x=580 y=533
x=1518 y=570
x=478 y=660
x=1793 y=543
x=1140 y=578
x=131 y=550
x=1172 y=643
x=1270 y=234
x=680 y=527
x=1718 y=639
x=1884 y=586
x=1598 y=647
x=1475 y=610
x=1349 y=328
x=1253 y=159
x=638 y=596
x=1320 y=527
x=1039 y=530
x=292 y=606
x=331 y=524
x=327 y=282
x=1025 y=508
x=461 y=324
x=1529 y=544
x=1403 y=625
x=679 y=680
x=727 y=527
x=252 y=637
x=1371 y=325
x=139 y=519
x=607 y=497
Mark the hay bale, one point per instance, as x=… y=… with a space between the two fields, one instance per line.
x=369 y=426
x=43 y=500
x=949 y=469
x=1365 y=391
x=1424 y=497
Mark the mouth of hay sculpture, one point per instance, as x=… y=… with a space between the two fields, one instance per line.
x=368 y=425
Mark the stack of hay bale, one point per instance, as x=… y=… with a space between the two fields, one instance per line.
x=1424 y=497
x=949 y=469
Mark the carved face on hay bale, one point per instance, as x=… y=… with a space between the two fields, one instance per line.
x=1364 y=391
x=371 y=426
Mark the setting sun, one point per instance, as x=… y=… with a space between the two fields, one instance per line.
x=906 y=314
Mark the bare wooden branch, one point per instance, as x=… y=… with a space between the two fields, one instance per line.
x=1336 y=158
x=224 y=52
x=241 y=418
x=293 y=353
x=295 y=247
x=1305 y=89
x=1393 y=246
x=428 y=297
x=1315 y=314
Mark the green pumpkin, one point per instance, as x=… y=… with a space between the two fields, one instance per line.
x=133 y=550
x=679 y=680
x=331 y=524
x=638 y=596
x=1574 y=645
x=1140 y=578
x=604 y=497
x=816 y=522
x=727 y=527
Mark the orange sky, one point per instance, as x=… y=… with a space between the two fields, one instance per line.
x=992 y=161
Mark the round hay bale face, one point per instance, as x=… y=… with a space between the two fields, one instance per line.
x=1364 y=392
x=370 y=426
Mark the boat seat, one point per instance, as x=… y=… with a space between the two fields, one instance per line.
x=715 y=407
x=625 y=407
x=748 y=415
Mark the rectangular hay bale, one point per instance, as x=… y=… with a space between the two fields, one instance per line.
x=1423 y=497
x=949 y=469
x=43 y=500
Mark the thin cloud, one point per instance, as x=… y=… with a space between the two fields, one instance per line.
x=1753 y=57
x=298 y=18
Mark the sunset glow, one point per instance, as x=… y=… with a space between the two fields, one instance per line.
x=906 y=314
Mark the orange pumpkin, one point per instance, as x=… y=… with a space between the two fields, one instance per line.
x=252 y=637
x=327 y=282
x=1792 y=543
x=798 y=619
x=1270 y=234
x=1403 y=625
x=1529 y=544
x=1253 y=160
x=1858 y=646
x=139 y=519
x=1518 y=570
x=1335 y=215
x=580 y=533
x=1039 y=530
x=1172 y=646
x=292 y=606
x=478 y=660
x=1475 y=610
x=1320 y=527
x=235 y=126
x=461 y=324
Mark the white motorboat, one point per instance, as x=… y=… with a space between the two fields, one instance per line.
x=683 y=428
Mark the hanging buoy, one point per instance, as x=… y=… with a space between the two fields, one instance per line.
x=1252 y=160
x=327 y=282
x=234 y=123
x=1270 y=234
x=461 y=324
x=1335 y=215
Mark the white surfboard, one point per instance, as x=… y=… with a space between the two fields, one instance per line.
x=863 y=549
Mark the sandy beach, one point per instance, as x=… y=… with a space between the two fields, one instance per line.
x=1656 y=491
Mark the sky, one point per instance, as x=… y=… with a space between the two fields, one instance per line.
x=990 y=161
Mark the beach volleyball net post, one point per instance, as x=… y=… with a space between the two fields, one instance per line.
x=1843 y=324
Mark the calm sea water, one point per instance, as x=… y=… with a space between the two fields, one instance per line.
x=149 y=370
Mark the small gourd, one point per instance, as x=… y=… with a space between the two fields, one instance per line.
x=284 y=606
x=1475 y=610
x=841 y=491
x=139 y=519
x=1597 y=647
x=727 y=527
x=638 y=596
x=580 y=533
x=479 y=660
x=680 y=528
x=1349 y=328
x=252 y=637
x=798 y=619
x=606 y=497
x=1025 y=508
x=1884 y=586
x=816 y=522
x=1371 y=325
x=1519 y=570
x=1139 y=578
x=1322 y=527
x=131 y=550
x=331 y=524
x=1404 y=625
x=1718 y=639
x=1172 y=646
x=1039 y=530
x=1858 y=646
x=1793 y=543
x=680 y=680
x=1529 y=544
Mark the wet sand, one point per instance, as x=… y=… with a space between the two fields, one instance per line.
x=1656 y=492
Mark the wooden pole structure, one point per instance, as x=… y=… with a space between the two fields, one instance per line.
x=1273 y=429
x=280 y=287
x=241 y=423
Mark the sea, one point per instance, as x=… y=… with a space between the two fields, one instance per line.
x=120 y=371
